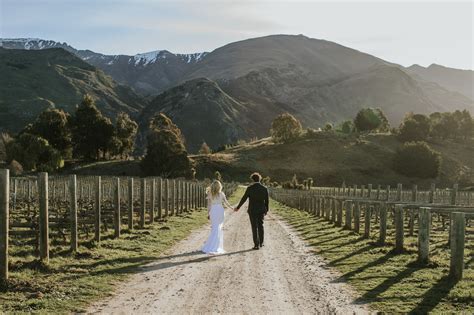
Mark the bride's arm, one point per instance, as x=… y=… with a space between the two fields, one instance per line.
x=226 y=202
x=208 y=205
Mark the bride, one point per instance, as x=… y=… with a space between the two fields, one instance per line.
x=216 y=201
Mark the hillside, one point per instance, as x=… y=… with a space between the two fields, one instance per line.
x=461 y=81
x=33 y=80
x=330 y=159
x=202 y=111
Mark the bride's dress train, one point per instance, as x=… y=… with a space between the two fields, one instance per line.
x=215 y=241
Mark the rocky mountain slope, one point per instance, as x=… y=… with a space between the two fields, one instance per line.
x=33 y=80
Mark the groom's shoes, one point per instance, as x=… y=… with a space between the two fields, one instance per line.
x=256 y=247
x=261 y=245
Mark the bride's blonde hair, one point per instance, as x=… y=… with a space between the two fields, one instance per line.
x=214 y=189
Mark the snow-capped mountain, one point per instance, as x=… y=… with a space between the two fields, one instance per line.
x=148 y=73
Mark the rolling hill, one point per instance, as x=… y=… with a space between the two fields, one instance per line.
x=33 y=80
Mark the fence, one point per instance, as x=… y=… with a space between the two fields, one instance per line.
x=411 y=212
x=71 y=207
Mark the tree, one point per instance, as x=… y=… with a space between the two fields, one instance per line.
x=125 y=133
x=285 y=128
x=34 y=153
x=347 y=127
x=414 y=128
x=91 y=131
x=54 y=126
x=328 y=127
x=369 y=119
x=205 y=149
x=466 y=125
x=165 y=154
x=444 y=126
x=217 y=175
x=417 y=159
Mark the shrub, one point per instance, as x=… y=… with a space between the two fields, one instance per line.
x=217 y=175
x=417 y=159
x=285 y=128
x=414 y=128
x=311 y=132
x=347 y=127
x=205 y=149
x=15 y=168
x=369 y=119
x=328 y=127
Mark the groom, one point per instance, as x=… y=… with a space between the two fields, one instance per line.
x=258 y=207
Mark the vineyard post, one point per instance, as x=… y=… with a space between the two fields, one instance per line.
x=457 y=245
x=160 y=197
x=167 y=196
x=349 y=207
x=399 y=233
x=43 y=216
x=152 y=200
x=130 y=203
x=414 y=193
x=117 y=220
x=454 y=194
x=98 y=193
x=339 y=213
x=387 y=190
x=369 y=191
x=399 y=192
x=424 y=221
x=378 y=192
x=4 y=217
x=432 y=192
x=143 y=202
x=357 y=217
x=367 y=215
x=173 y=197
x=73 y=211
x=383 y=223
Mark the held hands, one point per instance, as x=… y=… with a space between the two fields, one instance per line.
x=236 y=209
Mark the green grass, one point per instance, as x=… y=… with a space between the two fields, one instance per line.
x=389 y=282
x=70 y=282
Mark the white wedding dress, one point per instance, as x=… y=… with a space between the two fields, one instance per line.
x=215 y=241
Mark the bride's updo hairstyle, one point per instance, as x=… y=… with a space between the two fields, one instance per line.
x=215 y=189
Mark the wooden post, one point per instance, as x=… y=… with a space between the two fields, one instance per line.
x=399 y=233
x=186 y=196
x=43 y=216
x=117 y=220
x=454 y=194
x=387 y=190
x=369 y=191
x=424 y=222
x=173 y=197
x=167 y=196
x=383 y=224
x=399 y=192
x=357 y=217
x=318 y=206
x=378 y=192
x=160 y=197
x=457 y=245
x=73 y=211
x=333 y=210
x=349 y=206
x=414 y=193
x=339 y=213
x=367 y=221
x=432 y=192
x=411 y=222
x=4 y=217
x=152 y=200
x=130 y=203
x=98 y=191
x=143 y=202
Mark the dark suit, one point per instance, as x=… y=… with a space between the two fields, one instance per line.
x=258 y=208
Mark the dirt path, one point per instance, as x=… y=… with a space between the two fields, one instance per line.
x=282 y=277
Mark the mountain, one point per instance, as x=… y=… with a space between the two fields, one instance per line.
x=235 y=91
x=33 y=80
x=461 y=81
x=147 y=73
x=203 y=111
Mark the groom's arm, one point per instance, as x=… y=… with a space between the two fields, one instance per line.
x=244 y=199
x=267 y=203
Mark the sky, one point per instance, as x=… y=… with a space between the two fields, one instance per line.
x=404 y=32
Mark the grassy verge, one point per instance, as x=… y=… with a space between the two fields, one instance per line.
x=70 y=282
x=389 y=282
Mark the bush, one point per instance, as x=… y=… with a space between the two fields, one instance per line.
x=205 y=149
x=15 y=168
x=285 y=128
x=369 y=119
x=328 y=127
x=417 y=159
x=414 y=128
x=347 y=127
